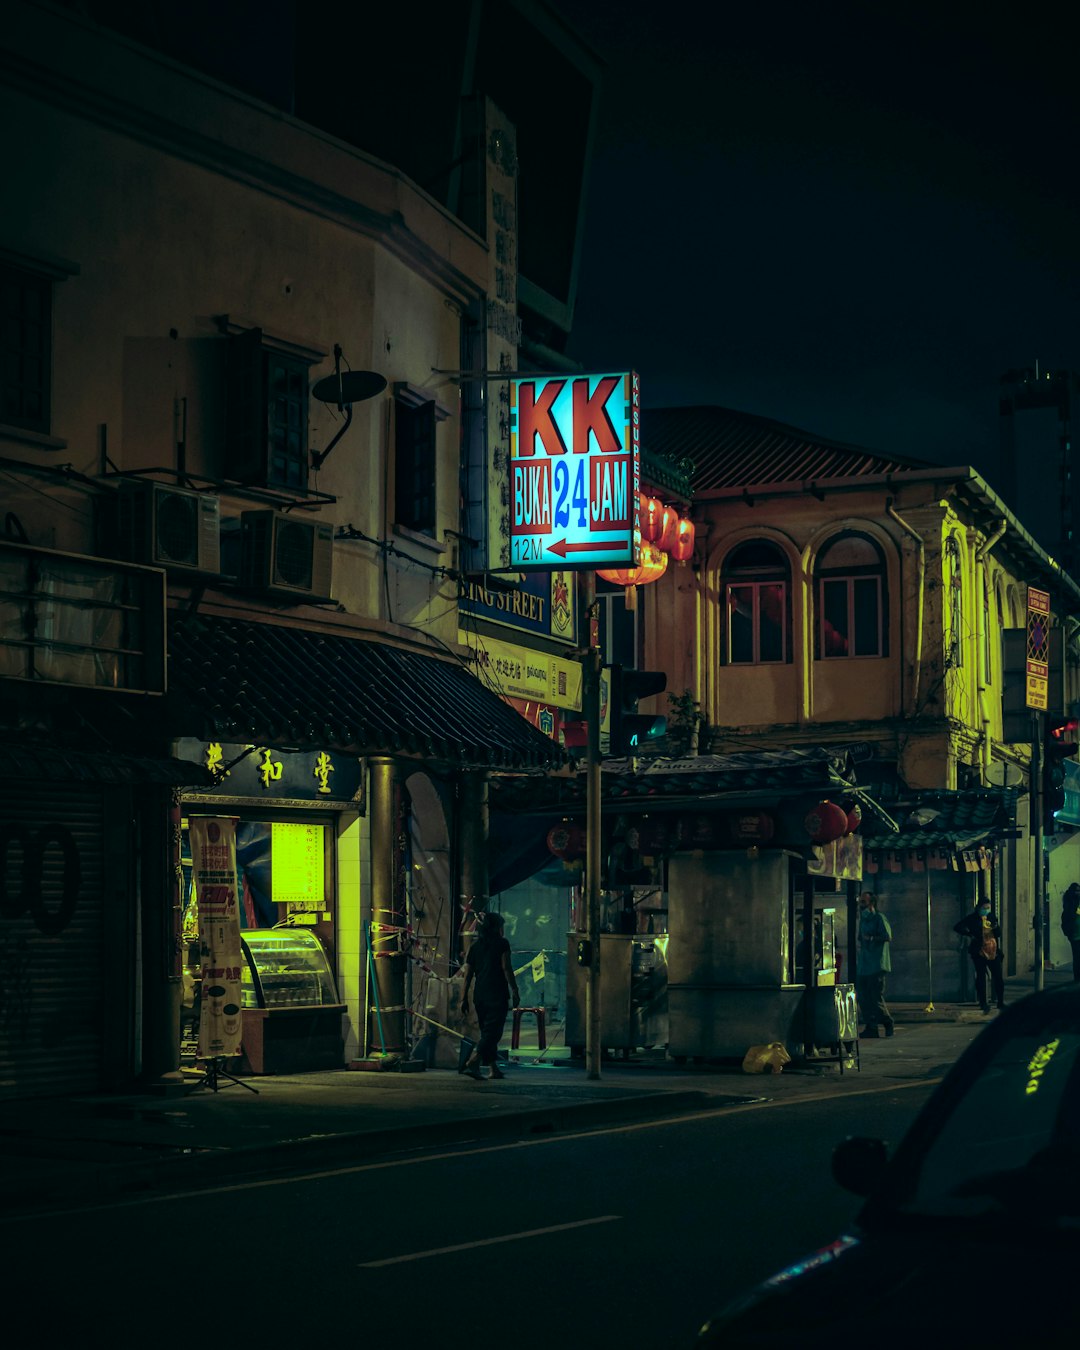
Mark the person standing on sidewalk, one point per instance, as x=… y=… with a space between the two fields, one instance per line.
x=1070 y=924
x=984 y=947
x=488 y=966
x=873 y=965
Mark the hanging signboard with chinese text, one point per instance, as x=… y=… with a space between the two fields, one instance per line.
x=575 y=472
x=1038 y=648
x=519 y=672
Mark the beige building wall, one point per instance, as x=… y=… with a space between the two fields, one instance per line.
x=173 y=211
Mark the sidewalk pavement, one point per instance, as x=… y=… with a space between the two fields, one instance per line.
x=81 y=1149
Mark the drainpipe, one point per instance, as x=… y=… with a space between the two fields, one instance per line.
x=980 y=562
x=921 y=565
x=985 y=547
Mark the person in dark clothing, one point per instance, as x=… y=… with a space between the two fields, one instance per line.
x=984 y=947
x=872 y=967
x=1070 y=924
x=488 y=967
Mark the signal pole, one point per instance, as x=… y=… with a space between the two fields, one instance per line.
x=1036 y=807
x=590 y=700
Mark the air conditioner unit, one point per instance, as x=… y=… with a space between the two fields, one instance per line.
x=167 y=526
x=286 y=556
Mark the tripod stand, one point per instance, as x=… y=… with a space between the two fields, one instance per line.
x=215 y=1071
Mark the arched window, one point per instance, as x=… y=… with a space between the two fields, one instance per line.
x=851 y=598
x=756 y=581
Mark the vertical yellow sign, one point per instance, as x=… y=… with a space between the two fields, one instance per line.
x=1038 y=649
x=297 y=866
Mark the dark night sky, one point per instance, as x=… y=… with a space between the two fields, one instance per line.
x=850 y=217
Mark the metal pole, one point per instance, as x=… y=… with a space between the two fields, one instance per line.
x=1036 y=831
x=591 y=707
x=810 y=967
x=929 y=949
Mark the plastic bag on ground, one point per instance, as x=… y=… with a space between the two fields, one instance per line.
x=769 y=1058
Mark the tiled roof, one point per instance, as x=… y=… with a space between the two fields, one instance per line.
x=943 y=818
x=744 y=771
x=703 y=781
x=731 y=449
x=51 y=764
x=269 y=684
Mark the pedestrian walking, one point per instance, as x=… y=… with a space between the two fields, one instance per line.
x=1070 y=924
x=489 y=970
x=873 y=964
x=984 y=947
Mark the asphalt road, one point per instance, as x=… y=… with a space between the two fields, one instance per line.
x=628 y=1236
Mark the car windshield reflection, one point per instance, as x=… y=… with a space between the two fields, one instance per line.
x=1005 y=1146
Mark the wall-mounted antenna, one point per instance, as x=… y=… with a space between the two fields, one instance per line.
x=344 y=387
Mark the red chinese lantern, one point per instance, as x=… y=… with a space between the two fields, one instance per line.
x=683 y=548
x=652 y=567
x=826 y=822
x=854 y=819
x=668 y=527
x=566 y=841
x=652 y=518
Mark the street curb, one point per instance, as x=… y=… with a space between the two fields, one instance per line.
x=95 y=1181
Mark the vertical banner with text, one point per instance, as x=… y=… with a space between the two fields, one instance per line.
x=1038 y=648
x=213 y=858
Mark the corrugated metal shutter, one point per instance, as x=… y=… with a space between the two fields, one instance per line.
x=52 y=967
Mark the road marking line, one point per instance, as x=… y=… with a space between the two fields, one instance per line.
x=464 y=1152
x=487 y=1242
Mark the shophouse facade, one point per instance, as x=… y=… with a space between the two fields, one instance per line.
x=244 y=446
x=846 y=599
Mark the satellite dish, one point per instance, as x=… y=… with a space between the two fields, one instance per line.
x=1000 y=773
x=348 y=386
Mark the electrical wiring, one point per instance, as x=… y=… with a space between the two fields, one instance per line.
x=389 y=549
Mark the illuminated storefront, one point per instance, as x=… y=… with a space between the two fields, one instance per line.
x=287 y=811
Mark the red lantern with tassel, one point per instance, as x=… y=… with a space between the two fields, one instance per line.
x=683 y=548
x=668 y=526
x=652 y=518
x=854 y=819
x=652 y=567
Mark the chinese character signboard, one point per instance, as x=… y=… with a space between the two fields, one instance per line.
x=489 y=474
x=213 y=858
x=1038 y=648
x=575 y=473
x=257 y=773
x=515 y=672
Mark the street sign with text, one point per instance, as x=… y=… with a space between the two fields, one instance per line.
x=575 y=473
x=1038 y=648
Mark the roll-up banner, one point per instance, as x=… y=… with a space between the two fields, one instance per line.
x=213 y=858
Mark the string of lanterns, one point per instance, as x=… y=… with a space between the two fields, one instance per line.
x=664 y=534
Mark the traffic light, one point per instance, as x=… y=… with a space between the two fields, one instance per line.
x=1059 y=744
x=631 y=731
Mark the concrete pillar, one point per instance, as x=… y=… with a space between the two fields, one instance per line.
x=386 y=971
x=473 y=833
